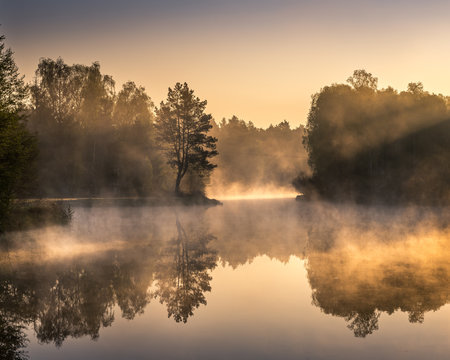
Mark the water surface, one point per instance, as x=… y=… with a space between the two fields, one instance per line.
x=267 y=279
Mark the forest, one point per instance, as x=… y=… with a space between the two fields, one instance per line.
x=76 y=136
x=377 y=145
x=71 y=134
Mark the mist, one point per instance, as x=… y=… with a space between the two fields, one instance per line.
x=255 y=162
x=370 y=145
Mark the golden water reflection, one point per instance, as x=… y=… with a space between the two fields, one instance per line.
x=66 y=282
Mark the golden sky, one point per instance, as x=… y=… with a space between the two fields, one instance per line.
x=258 y=59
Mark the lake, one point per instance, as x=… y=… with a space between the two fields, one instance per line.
x=254 y=279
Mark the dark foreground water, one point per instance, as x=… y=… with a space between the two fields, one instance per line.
x=268 y=279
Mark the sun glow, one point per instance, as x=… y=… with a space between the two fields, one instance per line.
x=258 y=196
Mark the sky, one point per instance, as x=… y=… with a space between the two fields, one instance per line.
x=260 y=60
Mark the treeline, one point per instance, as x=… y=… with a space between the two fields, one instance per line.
x=17 y=145
x=91 y=140
x=371 y=145
x=70 y=133
x=254 y=158
x=94 y=142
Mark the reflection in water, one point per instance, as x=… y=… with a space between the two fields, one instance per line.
x=373 y=265
x=359 y=283
x=12 y=337
x=360 y=263
x=77 y=298
x=183 y=273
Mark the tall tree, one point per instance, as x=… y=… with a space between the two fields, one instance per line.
x=137 y=158
x=17 y=145
x=183 y=127
x=133 y=105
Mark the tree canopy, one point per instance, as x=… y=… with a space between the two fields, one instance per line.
x=183 y=130
x=366 y=144
x=17 y=145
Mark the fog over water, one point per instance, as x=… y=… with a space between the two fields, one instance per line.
x=368 y=279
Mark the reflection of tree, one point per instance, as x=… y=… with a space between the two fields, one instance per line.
x=78 y=304
x=130 y=287
x=74 y=299
x=182 y=277
x=363 y=323
x=77 y=298
x=12 y=320
x=12 y=340
x=359 y=282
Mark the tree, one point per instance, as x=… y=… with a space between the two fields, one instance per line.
x=56 y=92
x=133 y=105
x=183 y=275
x=137 y=160
x=361 y=79
x=415 y=88
x=13 y=91
x=371 y=145
x=183 y=127
x=17 y=145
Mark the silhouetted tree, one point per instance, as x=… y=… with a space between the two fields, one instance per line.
x=183 y=133
x=361 y=79
x=17 y=145
x=366 y=144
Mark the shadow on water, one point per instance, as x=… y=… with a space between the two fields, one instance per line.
x=360 y=262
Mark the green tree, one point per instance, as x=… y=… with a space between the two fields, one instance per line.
x=183 y=133
x=17 y=145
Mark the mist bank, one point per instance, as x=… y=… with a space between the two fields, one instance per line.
x=255 y=162
x=371 y=145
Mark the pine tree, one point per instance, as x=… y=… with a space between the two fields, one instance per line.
x=183 y=127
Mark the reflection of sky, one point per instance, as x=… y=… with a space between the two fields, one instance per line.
x=258 y=59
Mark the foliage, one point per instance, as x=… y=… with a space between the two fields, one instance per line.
x=183 y=133
x=12 y=340
x=132 y=106
x=366 y=144
x=91 y=140
x=17 y=145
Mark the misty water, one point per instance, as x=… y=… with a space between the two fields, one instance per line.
x=254 y=279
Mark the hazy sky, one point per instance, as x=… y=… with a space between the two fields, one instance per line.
x=258 y=59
